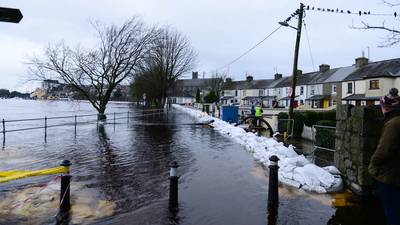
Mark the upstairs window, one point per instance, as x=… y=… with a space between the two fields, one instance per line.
x=334 y=89
x=260 y=92
x=236 y=93
x=349 y=88
x=301 y=90
x=373 y=84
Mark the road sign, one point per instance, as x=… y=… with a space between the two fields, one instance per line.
x=10 y=15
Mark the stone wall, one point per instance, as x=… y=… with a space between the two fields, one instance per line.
x=358 y=131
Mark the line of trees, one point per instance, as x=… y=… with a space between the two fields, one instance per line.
x=153 y=58
x=5 y=93
x=170 y=56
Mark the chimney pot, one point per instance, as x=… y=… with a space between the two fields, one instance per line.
x=324 y=67
x=361 y=61
x=195 y=75
x=249 y=78
x=278 y=76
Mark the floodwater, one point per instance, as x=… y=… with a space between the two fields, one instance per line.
x=120 y=173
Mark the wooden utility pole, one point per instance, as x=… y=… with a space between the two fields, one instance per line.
x=295 y=63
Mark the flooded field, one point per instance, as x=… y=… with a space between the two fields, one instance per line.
x=120 y=174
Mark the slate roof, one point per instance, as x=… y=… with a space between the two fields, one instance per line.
x=340 y=74
x=361 y=97
x=386 y=68
x=244 y=84
x=318 y=97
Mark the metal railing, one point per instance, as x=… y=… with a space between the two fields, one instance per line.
x=325 y=144
x=42 y=122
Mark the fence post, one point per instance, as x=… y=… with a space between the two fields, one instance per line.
x=4 y=132
x=273 y=194
x=128 y=117
x=173 y=186
x=75 y=123
x=45 y=128
x=65 y=204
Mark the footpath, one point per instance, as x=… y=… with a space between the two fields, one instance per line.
x=295 y=170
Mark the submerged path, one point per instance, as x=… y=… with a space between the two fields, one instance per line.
x=120 y=176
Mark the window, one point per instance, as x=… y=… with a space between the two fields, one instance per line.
x=301 y=90
x=333 y=102
x=287 y=91
x=244 y=92
x=349 y=88
x=374 y=84
x=261 y=92
x=268 y=92
x=334 y=88
x=236 y=93
x=279 y=91
x=301 y=102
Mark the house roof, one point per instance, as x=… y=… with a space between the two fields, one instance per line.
x=318 y=97
x=361 y=97
x=253 y=84
x=386 y=68
x=340 y=74
x=287 y=98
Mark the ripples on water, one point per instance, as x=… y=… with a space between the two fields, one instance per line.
x=126 y=167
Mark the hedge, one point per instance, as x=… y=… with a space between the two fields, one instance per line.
x=309 y=118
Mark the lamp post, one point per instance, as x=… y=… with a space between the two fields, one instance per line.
x=296 y=59
x=9 y=15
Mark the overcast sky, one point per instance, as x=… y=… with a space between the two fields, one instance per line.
x=220 y=30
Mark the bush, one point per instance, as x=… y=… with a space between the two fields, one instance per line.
x=325 y=137
x=312 y=117
x=308 y=118
x=298 y=123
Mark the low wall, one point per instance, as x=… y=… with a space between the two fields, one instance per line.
x=358 y=130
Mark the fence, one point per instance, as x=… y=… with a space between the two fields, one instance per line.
x=43 y=122
x=323 y=139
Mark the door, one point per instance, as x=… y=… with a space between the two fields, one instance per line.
x=325 y=103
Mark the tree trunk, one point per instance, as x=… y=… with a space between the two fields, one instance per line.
x=101 y=115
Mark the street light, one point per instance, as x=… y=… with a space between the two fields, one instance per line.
x=285 y=24
x=296 y=59
x=10 y=15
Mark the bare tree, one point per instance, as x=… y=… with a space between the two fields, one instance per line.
x=393 y=33
x=171 y=55
x=96 y=72
x=217 y=83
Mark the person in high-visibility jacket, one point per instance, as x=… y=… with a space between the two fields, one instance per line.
x=259 y=112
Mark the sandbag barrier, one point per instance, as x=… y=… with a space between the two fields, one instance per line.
x=63 y=169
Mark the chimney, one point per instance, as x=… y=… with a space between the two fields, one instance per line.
x=277 y=76
x=299 y=73
x=195 y=75
x=228 y=80
x=249 y=78
x=324 y=67
x=361 y=61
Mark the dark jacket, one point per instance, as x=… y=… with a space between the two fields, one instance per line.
x=385 y=162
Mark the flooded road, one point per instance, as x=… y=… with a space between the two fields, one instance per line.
x=120 y=173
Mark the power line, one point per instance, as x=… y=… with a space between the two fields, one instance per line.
x=309 y=45
x=350 y=12
x=249 y=50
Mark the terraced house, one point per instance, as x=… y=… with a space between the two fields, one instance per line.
x=362 y=83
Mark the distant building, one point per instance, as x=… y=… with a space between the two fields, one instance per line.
x=184 y=91
x=49 y=84
x=363 y=83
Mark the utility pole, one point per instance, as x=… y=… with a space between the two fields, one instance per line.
x=295 y=63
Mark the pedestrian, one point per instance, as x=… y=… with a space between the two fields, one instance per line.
x=258 y=113
x=385 y=162
x=253 y=110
